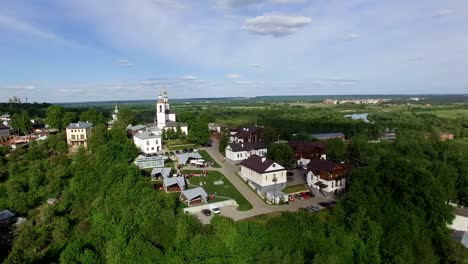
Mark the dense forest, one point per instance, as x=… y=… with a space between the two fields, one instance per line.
x=396 y=208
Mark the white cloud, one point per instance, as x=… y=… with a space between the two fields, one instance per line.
x=443 y=13
x=352 y=36
x=233 y=76
x=248 y=3
x=288 y=1
x=123 y=63
x=23 y=88
x=275 y=24
x=189 y=78
x=20 y=26
x=341 y=81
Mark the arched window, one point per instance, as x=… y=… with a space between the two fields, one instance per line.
x=160 y=108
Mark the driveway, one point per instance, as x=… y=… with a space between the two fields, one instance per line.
x=259 y=207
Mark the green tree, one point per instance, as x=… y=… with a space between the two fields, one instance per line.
x=282 y=154
x=199 y=133
x=54 y=116
x=336 y=149
x=223 y=142
x=126 y=117
x=69 y=117
x=270 y=135
x=21 y=123
x=93 y=116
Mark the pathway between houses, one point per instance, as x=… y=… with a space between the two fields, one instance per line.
x=259 y=207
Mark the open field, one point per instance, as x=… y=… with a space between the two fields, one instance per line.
x=226 y=190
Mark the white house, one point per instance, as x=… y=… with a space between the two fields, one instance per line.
x=241 y=151
x=165 y=119
x=148 y=142
x=78 y=134
x=326 y=175
x=115 y=116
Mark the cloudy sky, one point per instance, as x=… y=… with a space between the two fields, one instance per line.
x=82 y=50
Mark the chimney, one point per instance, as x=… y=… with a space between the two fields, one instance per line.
x=242 y=145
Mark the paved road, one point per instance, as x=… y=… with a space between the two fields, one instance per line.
x=259 y=207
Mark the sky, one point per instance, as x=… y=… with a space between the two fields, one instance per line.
x=102 y=50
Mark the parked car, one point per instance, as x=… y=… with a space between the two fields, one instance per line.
x=313 y=208
x=311 y=195
x=305 y=195
x=208 y=145
x=206 y=212
x=216 y=210
x=327 y=204
x=298 y=196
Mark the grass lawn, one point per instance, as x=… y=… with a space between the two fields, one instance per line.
x=208 y=158
x=295 y=188
x=227 y=189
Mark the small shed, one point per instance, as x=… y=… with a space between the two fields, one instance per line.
x=6 y=214
x=174 y=184
x=194 y=196
x=160 y=173
x=185 y=157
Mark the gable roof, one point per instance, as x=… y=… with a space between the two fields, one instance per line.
x=136 y=127
x=247 y=146
x=174 y=124
x=327 y=135
x=5 y=214
x=307 y=146
x=194 y=193
x=260 y=164
x=321 y=164
x=3 y=127
x=244 y=132
x=174 y=180
x=80 y=125
x=147 y=135
x=164 y=171
x=184 y=157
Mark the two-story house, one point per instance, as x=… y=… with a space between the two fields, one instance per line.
x=247 y=134
x=148 y=142
x=241 y=151
x=327 y=175
x=78 y=134
x=267 y=177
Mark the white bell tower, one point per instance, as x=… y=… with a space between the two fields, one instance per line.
x=161 y=111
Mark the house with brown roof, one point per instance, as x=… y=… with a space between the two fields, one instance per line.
x=327 y=175
x=241 y=151
x=247 y=134
x=308 y=149
x=267 y=177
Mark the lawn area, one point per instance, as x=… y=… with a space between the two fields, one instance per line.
x=295 y=188
x=208 y=158
x=227 y=189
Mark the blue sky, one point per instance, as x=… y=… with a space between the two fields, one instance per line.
x=82 y=50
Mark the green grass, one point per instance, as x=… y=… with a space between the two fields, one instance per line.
x=295 y=188
x=226 y=190
x=449 y=113
x=208 y=158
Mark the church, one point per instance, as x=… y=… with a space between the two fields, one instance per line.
x=164 y=118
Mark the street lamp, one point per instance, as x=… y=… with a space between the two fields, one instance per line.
x=274 y=188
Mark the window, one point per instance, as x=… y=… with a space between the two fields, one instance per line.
x=72 y=136
x=147 y=149
x=333 y=184
x=81 y=136
x=147 y=142
x=152 y=148
x=274 y=165
x=266 y=178
x=160 y=108
x=156 y=141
